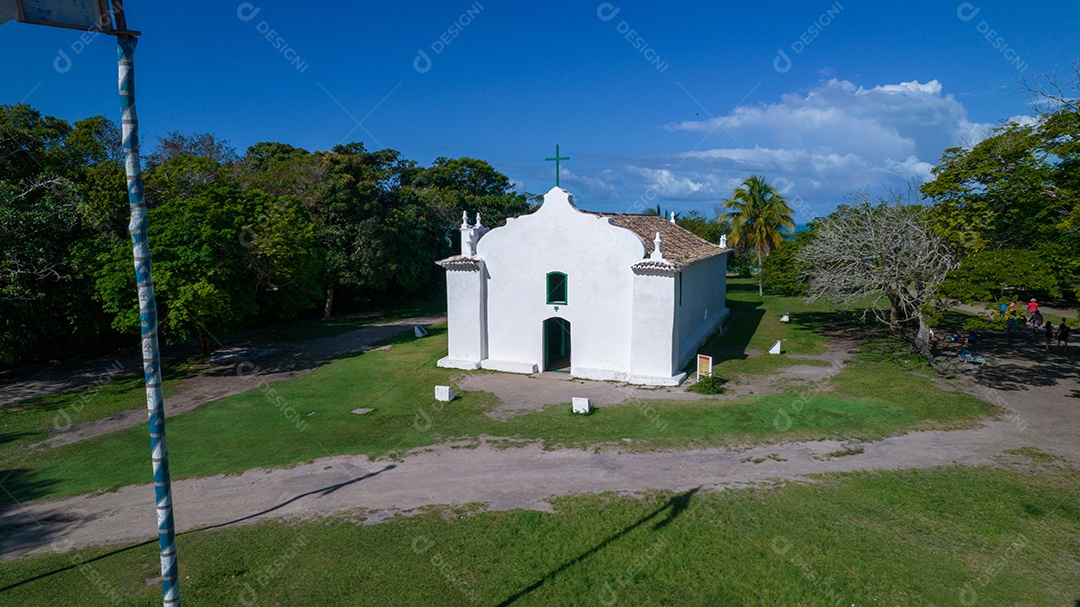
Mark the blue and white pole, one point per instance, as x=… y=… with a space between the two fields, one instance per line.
x=170 y=588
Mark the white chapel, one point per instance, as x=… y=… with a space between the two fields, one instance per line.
x=601 y=296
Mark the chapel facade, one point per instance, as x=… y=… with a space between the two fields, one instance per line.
x=600 y=296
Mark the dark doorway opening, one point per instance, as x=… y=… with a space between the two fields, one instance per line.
x=557 y=345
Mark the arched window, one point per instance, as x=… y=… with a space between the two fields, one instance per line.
x=556 y=288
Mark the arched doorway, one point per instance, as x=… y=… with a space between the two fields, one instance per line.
x=557 y=345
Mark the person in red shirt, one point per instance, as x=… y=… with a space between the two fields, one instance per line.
x=1033 y=307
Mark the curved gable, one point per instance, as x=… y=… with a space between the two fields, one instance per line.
x=559 y=229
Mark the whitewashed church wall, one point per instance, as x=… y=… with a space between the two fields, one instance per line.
x=703 y=306
x=652 y=355
x=465 y=312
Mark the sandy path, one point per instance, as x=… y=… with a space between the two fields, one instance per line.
x=522 y=477
x=524 y=394
x=232 y=371
x=1039 y=391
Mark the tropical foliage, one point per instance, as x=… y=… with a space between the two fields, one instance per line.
x=276 y=233
x=757 y=213
x=1016 y=190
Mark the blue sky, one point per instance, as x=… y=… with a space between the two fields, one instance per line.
x=668 y=105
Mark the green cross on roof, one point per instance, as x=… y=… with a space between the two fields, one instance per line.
x=557 y=158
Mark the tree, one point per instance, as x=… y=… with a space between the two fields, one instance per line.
x=472 y=186
x=757 y=212
x=709 y=229
x=199 y=261
x=1018 y=189
x=994 y=275
x=870 y=252
x=784 y=270
x=49 y=173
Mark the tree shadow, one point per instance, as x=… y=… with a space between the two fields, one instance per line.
x=76 y=563
x=846 y=325
x=1017 y=361
x=249 y=362
x=10 y=437
x=21 y=485
x=674 y=507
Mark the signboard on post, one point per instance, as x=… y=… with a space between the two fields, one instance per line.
x=704 y=366
x=74 y=14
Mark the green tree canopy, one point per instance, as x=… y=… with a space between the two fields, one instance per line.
x=757 y=212
x=1018 y=189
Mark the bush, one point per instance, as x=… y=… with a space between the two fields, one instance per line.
x=708 y=384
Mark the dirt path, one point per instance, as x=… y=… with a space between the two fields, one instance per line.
x=1039 y=391
x=521 y=477
x=525 y=394
x=232 y=371
x=1039 y=416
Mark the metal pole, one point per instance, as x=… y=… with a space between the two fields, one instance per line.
x=170 y=587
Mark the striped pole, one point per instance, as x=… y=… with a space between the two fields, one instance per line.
x=155 y=405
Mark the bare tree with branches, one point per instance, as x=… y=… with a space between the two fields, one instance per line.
x=876 y=252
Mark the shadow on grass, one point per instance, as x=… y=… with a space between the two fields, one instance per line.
x=839 y=324
x=79 y=562
x=739 y=329
x=20 y=485
x=312 y=357
x=674 y=507
x=16 y=486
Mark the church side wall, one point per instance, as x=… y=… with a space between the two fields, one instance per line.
x=703 y=305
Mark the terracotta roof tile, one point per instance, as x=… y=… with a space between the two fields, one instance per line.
x=677 y=243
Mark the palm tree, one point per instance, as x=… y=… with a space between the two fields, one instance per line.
x=757 y=212
x=660 y=212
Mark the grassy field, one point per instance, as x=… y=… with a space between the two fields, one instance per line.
x=36 y=419
x=948 y=536
x=121 y=388
x=755 y=326
x=308 y=417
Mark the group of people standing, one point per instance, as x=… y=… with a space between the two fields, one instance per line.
x=1035 y=320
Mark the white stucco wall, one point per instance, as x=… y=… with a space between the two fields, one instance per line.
x=702 y=307
x=652 y=354
x=596 y=258
x=466 y=304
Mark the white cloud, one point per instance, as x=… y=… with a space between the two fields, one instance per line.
x=817 y=146
x=591 y=188
x=834 y=138
x=887 y=121
x=666 y=185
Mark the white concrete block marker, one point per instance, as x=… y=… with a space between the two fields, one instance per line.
x=444 y=394
x=419 y=331
x=581 y=405
x=775 y=349
x=786 y=317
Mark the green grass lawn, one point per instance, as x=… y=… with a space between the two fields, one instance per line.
x=755 y=326
x=948 y=536
x=36 y=419
x=308 y=417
